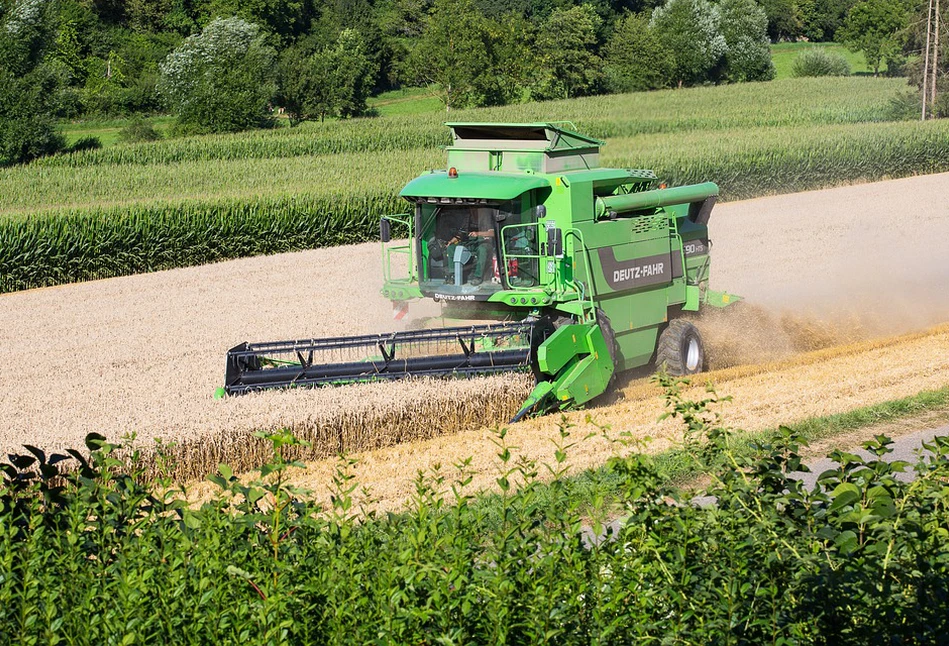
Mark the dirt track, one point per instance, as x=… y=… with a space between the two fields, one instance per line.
x=144 y=353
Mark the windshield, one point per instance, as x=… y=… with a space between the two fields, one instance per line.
x=458 y=250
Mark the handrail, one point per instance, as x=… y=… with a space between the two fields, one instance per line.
x=678 y=237
x=407 y=220
x=589 y=271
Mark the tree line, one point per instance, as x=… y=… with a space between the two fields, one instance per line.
x=225 y=65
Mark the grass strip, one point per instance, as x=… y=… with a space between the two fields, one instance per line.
x=676 y=467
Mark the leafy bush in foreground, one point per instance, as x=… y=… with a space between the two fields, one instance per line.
x=96 y=557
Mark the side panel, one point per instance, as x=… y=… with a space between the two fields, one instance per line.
x=632 y=281
x=634 y=325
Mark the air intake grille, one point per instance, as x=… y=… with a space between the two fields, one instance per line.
x=650 y=224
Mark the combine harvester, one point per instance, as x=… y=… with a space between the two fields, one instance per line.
x=556 y=266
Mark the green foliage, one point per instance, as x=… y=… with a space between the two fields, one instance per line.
x=220 y=80
x=28 y=83
x=353 y=74
x=334 y=81
x=510 y=40
x=784 y=19
x=783 y=55
x=285 y=19
x=816 y=61
x=139 y=130
x=821 y=19
x=83 y=144
x=744 y=28
x=568 y=66
x=875 y=27
x=861 y=558
x=451 y=56
x=636 y=59
x=749 y=163
x=813 y=20
x=303 y=92
x=101 y=242
x=691 y=30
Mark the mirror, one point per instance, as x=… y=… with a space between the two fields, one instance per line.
x=540 y=211
x=385 y=230
x=555 y=242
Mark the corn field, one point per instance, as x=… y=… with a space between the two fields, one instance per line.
x=144 y=207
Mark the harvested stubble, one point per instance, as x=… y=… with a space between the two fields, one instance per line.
x=822 y=383
x=145 y=353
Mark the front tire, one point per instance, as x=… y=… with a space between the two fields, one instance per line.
x=680 y=350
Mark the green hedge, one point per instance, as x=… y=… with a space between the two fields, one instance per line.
x=862 y=559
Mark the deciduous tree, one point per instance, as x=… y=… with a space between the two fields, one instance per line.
x=691 y=29
x=745 y=29
x=451 y=54
x=220 y=80
x=566 y=43
x=28 y=86
x=635 y=57
x=353 y=74
x=875 y=27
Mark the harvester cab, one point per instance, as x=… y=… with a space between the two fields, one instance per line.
x=557 y=266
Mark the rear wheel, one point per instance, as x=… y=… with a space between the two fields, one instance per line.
x=680 y=350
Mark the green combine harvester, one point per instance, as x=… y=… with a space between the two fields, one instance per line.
x=553 y=265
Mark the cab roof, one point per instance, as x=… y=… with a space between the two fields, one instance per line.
x=473 y=185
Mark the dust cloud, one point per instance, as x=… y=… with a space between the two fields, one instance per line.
x=829 y=267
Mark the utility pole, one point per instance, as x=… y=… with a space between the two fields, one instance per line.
x=932 y=89
x=929 y=29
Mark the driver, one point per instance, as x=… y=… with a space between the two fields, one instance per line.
x=478 y=239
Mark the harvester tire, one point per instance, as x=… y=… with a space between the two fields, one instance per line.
x=606 y=328
x=680 y=350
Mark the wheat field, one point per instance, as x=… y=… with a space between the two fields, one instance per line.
x=144 y=353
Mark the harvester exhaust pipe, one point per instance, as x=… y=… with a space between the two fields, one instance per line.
x=699 y=197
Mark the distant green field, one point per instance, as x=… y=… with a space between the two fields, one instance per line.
x=130 y=208
x=107 y=130
x=783 y=55
x=411 y=100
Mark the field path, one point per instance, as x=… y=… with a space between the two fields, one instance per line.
x=145 y=353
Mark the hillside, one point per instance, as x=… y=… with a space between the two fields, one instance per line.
x=144 y=207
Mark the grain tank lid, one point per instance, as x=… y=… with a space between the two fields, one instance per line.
x=473 y=185
x=550 y=136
